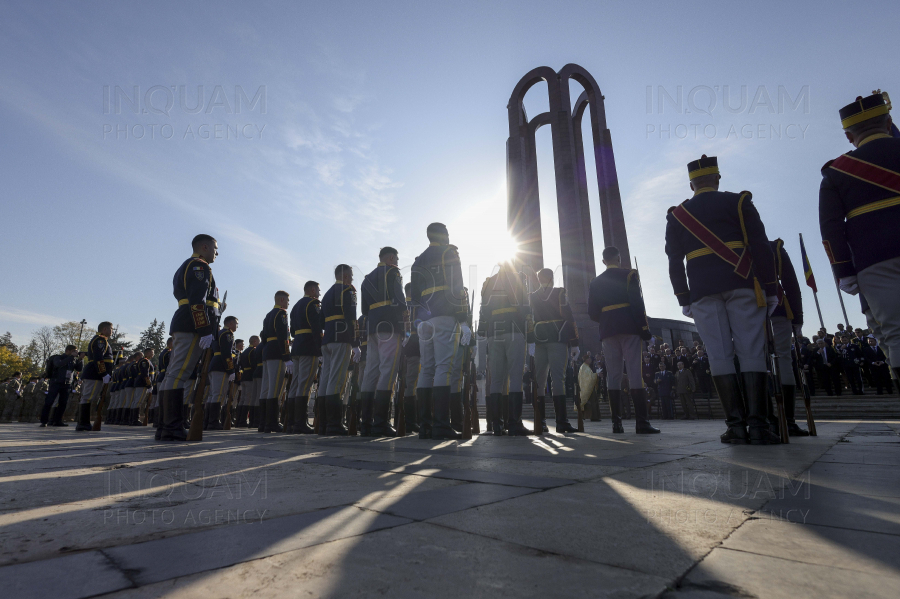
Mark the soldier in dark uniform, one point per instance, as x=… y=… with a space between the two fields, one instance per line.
x=163 y=362
x=787 y=322
x=851 y=361
x=731 y=270
x=384 y=308
x=859 y=213
x=339 y=346
x=554 y=333
x=437 y=292
x=143 y=384
x=307 y=324
x=221 y=373
x=95 y=374
x=411 y=355
x=457 y=371
x=193 y=329
x=247 y=412
x=131 y=373
x=60 y=371
x=615 y=303
x=276 y=357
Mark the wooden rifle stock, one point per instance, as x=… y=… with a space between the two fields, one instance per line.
x=776 y=377
x=227 y=424
x=352 y=403
x=399 y=412
x=467 y=389
x=104 y=398
x=807 y=402
x=196 y=431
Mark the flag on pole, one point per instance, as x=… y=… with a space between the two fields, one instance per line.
x=807 y=269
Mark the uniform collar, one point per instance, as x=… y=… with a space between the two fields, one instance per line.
x=704 y=190
x=871 y=137
x=277 y=307
x=608 y=266
x=196 y=256
x=436 y=243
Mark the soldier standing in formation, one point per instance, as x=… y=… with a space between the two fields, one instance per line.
x=339 y=346
x=554 y=333
x=221 y=373
x=193 y=329
x=615 y=303
x=307 y=325
x=859 y=212
x=247 y=411
x=276 y=356
x=384 y=311
x=729 y=286
x=437 y=292
x=411 y=355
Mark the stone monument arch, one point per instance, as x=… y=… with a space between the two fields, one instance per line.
x=523 y=205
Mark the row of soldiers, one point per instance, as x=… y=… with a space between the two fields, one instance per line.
x=21 y=399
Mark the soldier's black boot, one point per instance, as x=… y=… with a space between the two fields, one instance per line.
x=440 y=401
x=642 y=424
x=84 y=417
x=206 y=416
x=334 y=409
x=158 y=423
x=615 y=409
x=542 y=414
x=504 y=413
x=173 y=416
x=757 y=397
x=251 y=416
x=381 y=425
x=409 y=414
x=215 y=416
x=494 y=422
x=772 y=419
x=186 y=416
x=456 y=412
x=729 y=390
x=261 y=415
x=790 y=407
x=423 y=408
x=301 y=421
x=288 y=423
x=272 y=424
x=562 y=420
x=366 y=411
x=516 y=428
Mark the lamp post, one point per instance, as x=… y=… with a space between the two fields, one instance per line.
x=81 y=332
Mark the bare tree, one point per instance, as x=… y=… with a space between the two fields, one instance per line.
x=46 y=342
x=69 y=333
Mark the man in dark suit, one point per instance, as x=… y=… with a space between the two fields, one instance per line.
x=827 y=371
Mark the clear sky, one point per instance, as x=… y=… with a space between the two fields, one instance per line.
x=378 y=118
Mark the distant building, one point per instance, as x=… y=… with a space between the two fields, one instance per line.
x=670 y=331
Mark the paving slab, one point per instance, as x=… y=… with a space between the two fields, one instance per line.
x=69 y=577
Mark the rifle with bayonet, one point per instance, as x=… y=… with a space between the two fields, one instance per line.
x=196 y=431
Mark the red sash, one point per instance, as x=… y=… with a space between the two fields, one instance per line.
x=741 y=262
x=868 y=172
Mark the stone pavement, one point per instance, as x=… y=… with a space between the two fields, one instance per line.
x=590 y=515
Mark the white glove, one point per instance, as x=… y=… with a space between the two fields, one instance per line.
x=849 y=285
x=289 y=367
x=231 y=378
x=356 y=354
x=686 y=310
x=771 y=303
x=576 y=353
x=465 y=334
x=531 y=349
x=105 y=379
x=206 y=341
x=320 y=360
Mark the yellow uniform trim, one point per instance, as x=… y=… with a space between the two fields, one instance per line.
x=504 y=311
x=431 y=290
x=873 y=206
x=271 y=338
x=614 y=307
x=865 y=115
x=302 y=331
x=547 y=322
x=871 y=137
x=335 y=317
x=379 y=304
x=218 y=353
x=709 y=170
x=760 y=296
x=706 y=251
x=211 y=304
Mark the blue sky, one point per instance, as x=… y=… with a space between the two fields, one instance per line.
x=380 y=118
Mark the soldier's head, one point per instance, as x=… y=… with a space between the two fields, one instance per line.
x=866 y=116
x=71 y=350
x=545 y=277
x=136 y=356
x=311 y=289
x=611 y=257
x=239 y=344
x=170 y=342
x=389 y=256
x=282 y=299
x=437 y=233
x=231 y=323
x=105 y=328
x=704 y=173
x=343 y=274
x=149 y=353
x=254 y=341
x=206 y=247
x=872 y=341
x=17 y=375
